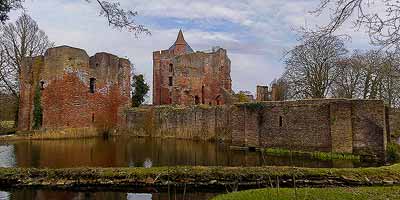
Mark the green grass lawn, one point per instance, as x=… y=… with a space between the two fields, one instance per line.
x=367 y=193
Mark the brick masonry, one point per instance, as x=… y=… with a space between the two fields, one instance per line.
x=337 y=125
x=196 y=122
x=64 y=75
x=184 y=77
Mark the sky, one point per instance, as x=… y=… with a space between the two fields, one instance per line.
x=256 y=33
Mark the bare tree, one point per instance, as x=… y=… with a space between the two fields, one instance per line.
x=369 y=75
x=389 y=88
x=6 y=6
x=348 y=78
x=281 y=89
x=310 y=66
x=116 y=16
x=379 y=17
x=19 y=40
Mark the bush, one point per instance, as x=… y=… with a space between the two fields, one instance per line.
x=393 y=152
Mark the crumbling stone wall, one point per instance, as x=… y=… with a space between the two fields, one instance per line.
x=337 y=125
x=63 y=75
x=184 y=77
x=369 y=127
x=196 y=122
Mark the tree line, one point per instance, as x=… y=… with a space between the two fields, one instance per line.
x=321 y=67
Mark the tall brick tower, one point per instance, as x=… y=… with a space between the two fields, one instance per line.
x=182 y=76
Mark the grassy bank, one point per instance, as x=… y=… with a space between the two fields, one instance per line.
x=366 y=193
x=314 y=155
x=7 y=127
x=65 y=133
x=211 y=177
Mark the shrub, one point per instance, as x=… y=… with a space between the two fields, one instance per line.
x=393 y=152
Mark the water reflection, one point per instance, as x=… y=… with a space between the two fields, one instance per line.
x=70 y=195
x=4 y=195
x=140 y=152
x=141 y=196
x=7 y=156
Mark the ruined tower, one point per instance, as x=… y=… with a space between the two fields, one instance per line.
x=262 y=93
x=73 y=89
x=182 y=76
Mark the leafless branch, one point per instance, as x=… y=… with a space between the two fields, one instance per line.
x=310 y=66
x=380 y=17
x=19 y=40
x=120 y=18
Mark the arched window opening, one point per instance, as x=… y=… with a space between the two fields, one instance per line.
x=171 y=68
x=217 y=100
x=196 y=100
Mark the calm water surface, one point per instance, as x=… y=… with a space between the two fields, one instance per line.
x=140 y=152
x=69 y=195
x=133 y=152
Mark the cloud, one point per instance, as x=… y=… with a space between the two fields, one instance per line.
x=255 y=32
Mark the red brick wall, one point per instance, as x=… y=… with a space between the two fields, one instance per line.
x=66 y=98
x=191 y=72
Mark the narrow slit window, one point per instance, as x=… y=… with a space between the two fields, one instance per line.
x=170 y=81
x=280 y=121
x=92 y=117
x=171 y=68
x=92 y=85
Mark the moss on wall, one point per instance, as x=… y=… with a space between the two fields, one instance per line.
x=37 y=110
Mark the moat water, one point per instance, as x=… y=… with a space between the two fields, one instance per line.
x=71 y=195
x=142 y=152
x=134 y=152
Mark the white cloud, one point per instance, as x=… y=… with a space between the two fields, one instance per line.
x=262 y=29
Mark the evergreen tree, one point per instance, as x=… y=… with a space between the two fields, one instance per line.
x=140 y=90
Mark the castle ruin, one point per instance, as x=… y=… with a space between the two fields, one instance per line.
x=73 y=89
x=182 y=76
x=264 y=94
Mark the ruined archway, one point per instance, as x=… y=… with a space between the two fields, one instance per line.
x=218 y=100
